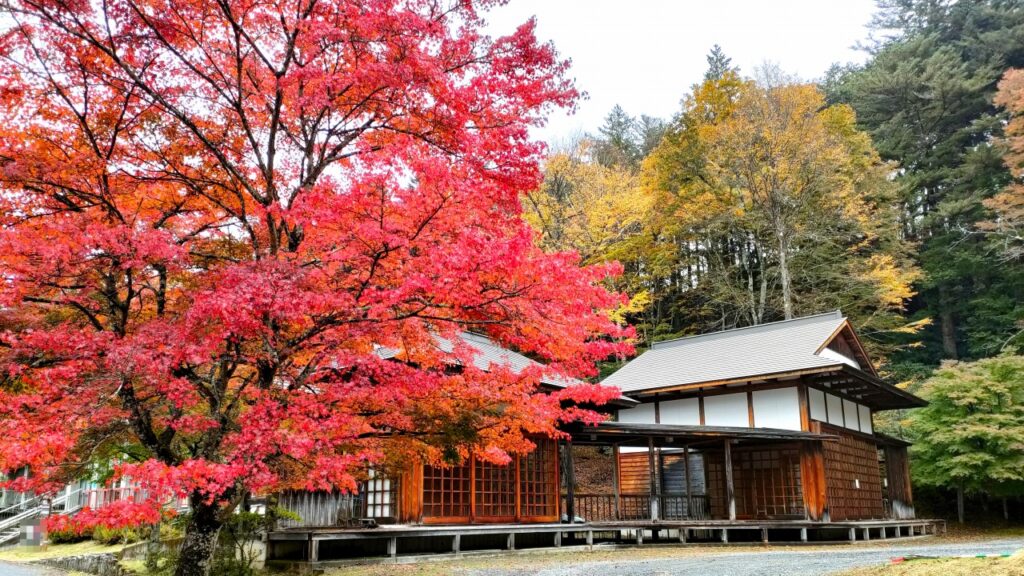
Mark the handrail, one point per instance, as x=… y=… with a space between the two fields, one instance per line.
x=16 y=519
x=36 y=509
x=19 y=505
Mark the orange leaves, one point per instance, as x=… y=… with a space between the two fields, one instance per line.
x=216 y=216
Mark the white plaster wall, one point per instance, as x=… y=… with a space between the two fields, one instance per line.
x=726 y=410
x=816 y=398
x=851 y=413
x=865 y=419
x=685 y=411
x=640 y=414
x=835 y=409
x=833 y=355
x=778 y=408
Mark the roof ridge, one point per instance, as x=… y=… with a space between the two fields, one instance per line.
x=836 y=314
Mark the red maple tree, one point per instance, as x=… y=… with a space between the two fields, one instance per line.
x=214 y=214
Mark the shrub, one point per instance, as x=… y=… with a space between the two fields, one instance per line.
x=64 y=529
x=119 y=523
x=110 y=536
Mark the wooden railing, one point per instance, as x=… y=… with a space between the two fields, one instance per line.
x=677 y=507
x=607 y=508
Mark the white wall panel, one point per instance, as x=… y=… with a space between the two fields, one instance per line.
x=726 y=410
x=816 y=399
x=835 y=409
x=778 y=408
x=685 y=411
x=640 y=414
x=865 y=419
x=851 y=414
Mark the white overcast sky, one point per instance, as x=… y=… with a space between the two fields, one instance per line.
x=645 y=54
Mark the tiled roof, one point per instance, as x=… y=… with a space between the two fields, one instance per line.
x=764 y=349
x=488 y=354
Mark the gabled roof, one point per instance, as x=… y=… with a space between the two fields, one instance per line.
x=487 y=354
x=769 y=349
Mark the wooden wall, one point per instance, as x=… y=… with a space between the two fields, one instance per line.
x=634 y=473
x=897 y=470
x=853 y=477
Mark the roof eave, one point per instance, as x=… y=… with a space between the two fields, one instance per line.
x=911 y=400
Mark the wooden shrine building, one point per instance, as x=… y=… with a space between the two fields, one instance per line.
x=761 y=428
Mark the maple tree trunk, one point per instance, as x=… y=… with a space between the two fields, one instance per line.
x=196 y=555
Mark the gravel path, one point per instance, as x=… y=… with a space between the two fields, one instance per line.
x=12 y=569
x=767 y=563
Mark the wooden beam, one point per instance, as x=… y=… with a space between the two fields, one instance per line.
x=750 y=408
x=686 y=471
x=518 y=490
x=652 y=469
x=812 y=479
x=570 y=483
x=472 y=487
x=805 y=407
x=729 y=489
x=617 y=480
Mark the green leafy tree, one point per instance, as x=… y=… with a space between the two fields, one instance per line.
x=623 y=141
x=718 y=64
x=926 y=98
x=970 y=437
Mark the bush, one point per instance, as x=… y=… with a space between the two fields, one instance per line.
x=110 y=536
x=64 y=529
x=65 y=536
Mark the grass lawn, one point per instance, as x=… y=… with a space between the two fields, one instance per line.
x=30 y=553
x=1013 y=566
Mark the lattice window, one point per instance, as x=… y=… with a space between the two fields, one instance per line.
x=446 y=491
x=495 y=490
x=766 y=483
x=380 y=496
x=537 y=482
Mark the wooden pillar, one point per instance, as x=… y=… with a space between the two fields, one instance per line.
x=590 y=539
x=511 y=540
x=518 y=493
x=616 y=482
x=686 y=471
x=570 y=483
x=456 y=543
x=393 y=547
x=654 y=491
x=812 y=478
x=314 y=550
x=730 y=492
x=803 y=534
x=472 y=488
